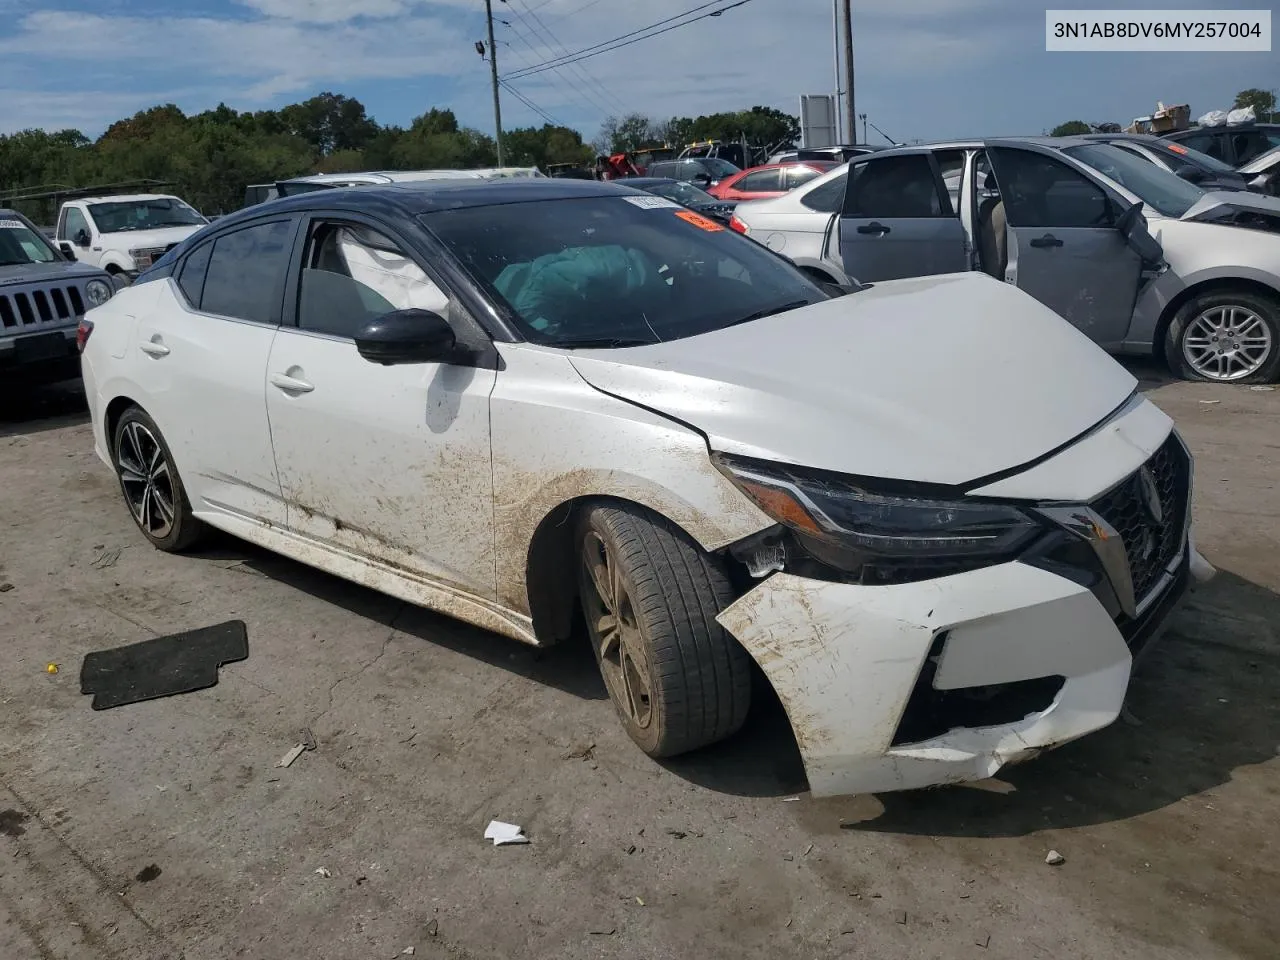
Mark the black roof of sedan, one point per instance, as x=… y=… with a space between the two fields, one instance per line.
x=427 y=196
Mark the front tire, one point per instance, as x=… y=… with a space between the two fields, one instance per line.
x=1226 y=336
x=150 y=484
x=678 y=680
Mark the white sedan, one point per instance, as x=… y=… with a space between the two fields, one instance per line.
x=552 y=405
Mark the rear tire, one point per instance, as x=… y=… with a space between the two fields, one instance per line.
x=150 y=484
x=650 y=596
x=1225 y=336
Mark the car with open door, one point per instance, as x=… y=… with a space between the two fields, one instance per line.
x=1140 y=260
x=558 y=408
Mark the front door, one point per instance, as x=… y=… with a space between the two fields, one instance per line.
x=390 y=463
x=1063 y=246
x=899 y=221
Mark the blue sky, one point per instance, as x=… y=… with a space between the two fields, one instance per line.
x=925 y=68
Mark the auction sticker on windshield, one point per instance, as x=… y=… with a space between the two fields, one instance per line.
x=699 y=221
x=652 y=203
x=12 y=225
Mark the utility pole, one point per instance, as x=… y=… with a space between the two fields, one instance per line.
x=493 y=73
x=850 y=113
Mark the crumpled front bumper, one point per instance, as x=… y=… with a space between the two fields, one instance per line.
x=845 y=660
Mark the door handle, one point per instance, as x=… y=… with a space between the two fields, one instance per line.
x=1048 y=240
x=154 y=348
x=290 y=384
x=874 y=227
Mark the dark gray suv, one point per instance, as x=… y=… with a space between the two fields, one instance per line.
x=700 y=171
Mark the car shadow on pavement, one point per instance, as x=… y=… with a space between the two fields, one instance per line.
x=1200 y=706
x=567 y=666
x=26 y=410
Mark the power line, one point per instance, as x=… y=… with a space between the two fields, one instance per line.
x=590 y=78
x=608 y=46
x=575 y=90
x=530 y=104
x=583 y=91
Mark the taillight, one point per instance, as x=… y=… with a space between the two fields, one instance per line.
x=82 y=333
x=738 y=225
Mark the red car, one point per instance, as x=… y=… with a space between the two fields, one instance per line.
x=770 y=180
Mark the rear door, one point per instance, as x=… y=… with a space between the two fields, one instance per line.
x=1063 y=245
x=898 y=220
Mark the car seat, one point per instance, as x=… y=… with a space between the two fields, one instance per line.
x=992 y=236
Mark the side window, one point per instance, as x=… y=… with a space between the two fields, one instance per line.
x=951 y=166
x=1209 y=143
x=762 y=181
x=246 y=270
x=893 y=188
x=76 y=221
x=1248 y=144
x=1039 y=191
x=352 y=274
x=829 y=197
x=191 y=276
x=795 y=176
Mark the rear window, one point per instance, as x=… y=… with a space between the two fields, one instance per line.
x=617 y=270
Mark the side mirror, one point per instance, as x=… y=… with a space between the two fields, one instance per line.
x=1133 y=228
x=1190 y=174
x=66 y=250
x=82 y=238
x=701 y=180
x=406 y=336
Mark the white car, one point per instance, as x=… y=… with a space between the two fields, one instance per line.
x=124 y=234
x=555 y=404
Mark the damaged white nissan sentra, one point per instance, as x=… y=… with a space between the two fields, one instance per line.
x=936 y=516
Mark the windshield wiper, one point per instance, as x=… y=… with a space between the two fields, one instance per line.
x=587 y=343
x=761 y=314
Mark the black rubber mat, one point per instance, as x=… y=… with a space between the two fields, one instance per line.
x=178 y=663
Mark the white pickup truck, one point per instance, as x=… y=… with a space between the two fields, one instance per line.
x=124 y=234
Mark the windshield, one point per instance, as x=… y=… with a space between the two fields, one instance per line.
x=1159 y=189
x=618 y=270
x=124 y=215
x=680 y=192
x=719 y=168
x=1193 y=156
x=19 y=244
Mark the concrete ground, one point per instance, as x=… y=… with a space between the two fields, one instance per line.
x=165 y=829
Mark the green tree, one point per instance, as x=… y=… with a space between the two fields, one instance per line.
x=1071 y=128
x=1262 y=101
x=329 y=122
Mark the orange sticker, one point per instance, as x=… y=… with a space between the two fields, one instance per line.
x=699 y=221
x=1177 y=149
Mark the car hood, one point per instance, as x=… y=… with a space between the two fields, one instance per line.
x=47 y=272
x=143 y=239
x=944 y=379
x=1219 y=206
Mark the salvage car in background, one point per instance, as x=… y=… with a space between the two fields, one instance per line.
x=703 y=172
x=685 y=194
x=770 y=180
x=1199 y=168
x=1234 y=144
x=1263 y=172
x=540 y=403
x=124 y=234
x=43 y=297
x=1140 y=260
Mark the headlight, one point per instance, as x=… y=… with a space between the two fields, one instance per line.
x=874 y=538
x=145 y=256
x=98 y=292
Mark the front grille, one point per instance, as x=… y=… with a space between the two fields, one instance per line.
x=33 y=308
x=1150 y=544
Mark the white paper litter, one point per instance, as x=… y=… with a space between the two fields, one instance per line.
x=291 y=756
x=323 y=872
x=501 y=833
x=407 y=952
